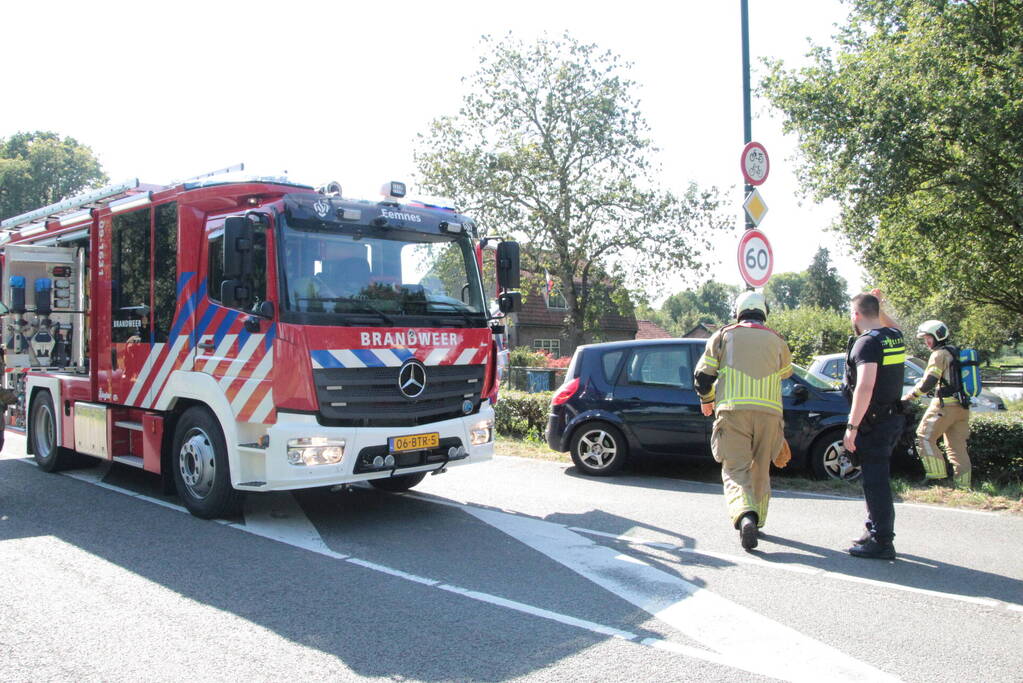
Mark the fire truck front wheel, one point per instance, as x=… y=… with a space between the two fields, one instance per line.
x=200 y=467
x=43 y=421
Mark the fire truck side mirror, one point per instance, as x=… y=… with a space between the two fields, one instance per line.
x=510 y=302
x=235 y=294
x=508 y=265
x=237 y=247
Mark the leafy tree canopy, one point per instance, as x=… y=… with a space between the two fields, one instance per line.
x=785 y=290
x=550 y=146
x=41 y=168
x=912 y=124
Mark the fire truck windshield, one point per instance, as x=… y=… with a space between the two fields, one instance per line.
x=378 y=276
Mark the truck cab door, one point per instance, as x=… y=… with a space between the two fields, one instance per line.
x=137 y=303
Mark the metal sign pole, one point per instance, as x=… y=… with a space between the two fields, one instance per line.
x=747 y=125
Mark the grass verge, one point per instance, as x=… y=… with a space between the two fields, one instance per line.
x=984 y=495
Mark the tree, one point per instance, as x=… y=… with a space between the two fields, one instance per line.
x=811 y=331
x=550 y=146
x=825 y=288
x=912 y=124
x=710 y=303
x=785 y=290
x=40 y=168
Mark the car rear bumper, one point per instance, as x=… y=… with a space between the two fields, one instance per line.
x=555 y=433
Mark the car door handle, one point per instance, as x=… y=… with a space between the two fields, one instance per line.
x=207 y=346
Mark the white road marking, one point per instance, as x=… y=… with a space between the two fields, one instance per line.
x=265 y=530
x=742 y=636
x=745 y=559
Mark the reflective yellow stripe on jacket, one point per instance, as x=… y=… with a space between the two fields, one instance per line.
x=896 y=354
x=741 y=389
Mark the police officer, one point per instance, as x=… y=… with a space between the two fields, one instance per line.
x=873 y=382
x=740 y=376
x=946 y=415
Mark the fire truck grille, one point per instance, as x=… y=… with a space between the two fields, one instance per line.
x=369 y=397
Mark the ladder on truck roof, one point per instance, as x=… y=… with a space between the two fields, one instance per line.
x=92 y=199
x=87 y=200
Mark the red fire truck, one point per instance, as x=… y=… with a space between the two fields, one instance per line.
x=251 y=334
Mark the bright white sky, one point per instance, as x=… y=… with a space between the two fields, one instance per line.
x=339 y=90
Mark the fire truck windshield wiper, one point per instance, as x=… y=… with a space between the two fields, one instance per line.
x=364 y=306
x=454 y=307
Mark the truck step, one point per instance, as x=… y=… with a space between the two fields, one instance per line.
x=132 y=460
x=135 y=426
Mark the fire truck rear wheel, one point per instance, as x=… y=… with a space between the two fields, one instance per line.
x=397 y=484
x=48 y=455
x=200 y=466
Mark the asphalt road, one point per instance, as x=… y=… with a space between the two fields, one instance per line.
x=515 y=569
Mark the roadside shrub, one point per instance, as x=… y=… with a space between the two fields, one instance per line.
x=521 y=415
x=996 y=447
x=811 y=331
x=525 y=357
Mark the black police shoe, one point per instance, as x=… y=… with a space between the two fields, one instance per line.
x=748 y=532
x=874 y=550
x=864 y=538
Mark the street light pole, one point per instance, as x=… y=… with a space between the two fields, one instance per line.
x=747 y=125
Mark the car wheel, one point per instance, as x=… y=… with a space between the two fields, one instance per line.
x=48 y=455
x=598 y=449
x=201 y=471
x=829 y=460
x=399 y=483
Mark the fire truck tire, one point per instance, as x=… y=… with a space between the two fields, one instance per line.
x=402 y=482
x=48 y=455
x=201 y=471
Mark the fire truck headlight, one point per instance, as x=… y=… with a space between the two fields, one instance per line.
x=482 y=432
x=316 y=450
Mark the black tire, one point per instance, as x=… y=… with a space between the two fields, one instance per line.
x=201 y=471
x=598 y=449
x=48 y=455
x=829 y=461
x=399 y=483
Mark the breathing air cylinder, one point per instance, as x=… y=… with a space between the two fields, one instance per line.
x=44 y=296
x=17 y=294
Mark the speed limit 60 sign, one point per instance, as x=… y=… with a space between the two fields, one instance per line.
x=756 y=260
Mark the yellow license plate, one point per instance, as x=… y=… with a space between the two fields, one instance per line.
x=413 y=442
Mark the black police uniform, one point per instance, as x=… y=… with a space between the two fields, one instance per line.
x=882 y=425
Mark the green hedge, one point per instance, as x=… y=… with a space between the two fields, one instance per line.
x=996 y=446
x=521 y=415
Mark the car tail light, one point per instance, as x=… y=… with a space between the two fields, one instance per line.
x=565 y=392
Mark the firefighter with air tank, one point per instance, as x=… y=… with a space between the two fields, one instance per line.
x=739 y=377
x=948 y=413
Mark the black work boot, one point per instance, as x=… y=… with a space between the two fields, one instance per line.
x=874 y=550
x=748 y=531
x=864 y=538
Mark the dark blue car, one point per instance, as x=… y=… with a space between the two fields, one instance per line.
x=624 y=399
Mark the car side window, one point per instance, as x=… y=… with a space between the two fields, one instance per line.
x=609 y=362
x=665 y=366
x=912 y=374
x=788 y=385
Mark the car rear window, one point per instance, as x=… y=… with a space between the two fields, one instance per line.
x=609 y=362
x=661 y=366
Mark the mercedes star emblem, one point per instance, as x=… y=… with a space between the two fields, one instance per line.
x=412 y=379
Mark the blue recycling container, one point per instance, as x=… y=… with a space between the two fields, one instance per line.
x=538 y=380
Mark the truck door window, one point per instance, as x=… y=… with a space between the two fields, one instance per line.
x=129 y=282
x=165 y=270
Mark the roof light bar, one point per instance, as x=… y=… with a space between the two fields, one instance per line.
x=76 y=218
x=133 y=202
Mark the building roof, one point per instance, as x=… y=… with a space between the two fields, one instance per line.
x=535 y=312
x=650 y=330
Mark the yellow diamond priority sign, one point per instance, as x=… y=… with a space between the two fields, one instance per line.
x=755 y=207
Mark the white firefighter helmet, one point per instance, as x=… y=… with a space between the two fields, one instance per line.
x=935 y=328
x=750 y=301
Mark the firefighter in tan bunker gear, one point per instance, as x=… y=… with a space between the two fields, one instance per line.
x=945 y=415
x=739 y=377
